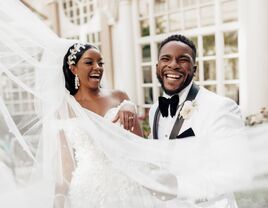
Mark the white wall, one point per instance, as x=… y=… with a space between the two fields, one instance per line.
x=253 y=47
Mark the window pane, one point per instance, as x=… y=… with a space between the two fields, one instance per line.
x=146 y=53
x=229 y=11
x=161 y=24
x=212 y=88
x=144 y=25
x=189 y=3
x=196 y=76
x=230 y=42
x=209 y=45
x=194 y=39
x=174 y=4
x=24 y=95
x=175 y=21
x=148 y=95
x=210 y=70
x=161 y=91
x=207 y=15
x=147 y=74
x=15 y=96
x=16 y=107
x=190 y=18
x=26 y=107
x=231 y=69
x=232 y=91
x=7 y=96
x=143 y=8
x=205 y=1
x=160 y=6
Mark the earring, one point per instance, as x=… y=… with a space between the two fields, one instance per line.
x=76 y=82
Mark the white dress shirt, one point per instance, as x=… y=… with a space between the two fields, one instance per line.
x=166 y=124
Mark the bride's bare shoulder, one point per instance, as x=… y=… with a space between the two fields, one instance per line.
x=118 y=95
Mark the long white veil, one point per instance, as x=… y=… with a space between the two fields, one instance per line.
x=39 y=163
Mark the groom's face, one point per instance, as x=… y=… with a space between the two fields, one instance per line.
x=175 y=68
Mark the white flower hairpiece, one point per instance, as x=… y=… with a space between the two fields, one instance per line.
x=73 y=52
x=187 y=109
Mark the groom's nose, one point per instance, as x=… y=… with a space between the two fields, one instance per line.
x=174 y=64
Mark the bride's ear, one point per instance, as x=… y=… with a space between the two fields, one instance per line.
x=73 y=69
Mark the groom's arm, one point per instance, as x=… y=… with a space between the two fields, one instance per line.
x=225 y=128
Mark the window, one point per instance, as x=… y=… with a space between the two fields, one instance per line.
x=78 y=13
x=229 y=11
x=206 y=23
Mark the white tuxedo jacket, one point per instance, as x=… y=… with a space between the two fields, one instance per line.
x=212 y=113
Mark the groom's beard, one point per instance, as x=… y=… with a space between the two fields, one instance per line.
x=176 y=91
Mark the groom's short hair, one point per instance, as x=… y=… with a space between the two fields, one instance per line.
x=180 y=38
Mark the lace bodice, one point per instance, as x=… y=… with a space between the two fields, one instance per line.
x=95 y=183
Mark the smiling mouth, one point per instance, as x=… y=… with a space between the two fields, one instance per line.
x=95 y=76
x=173 y=76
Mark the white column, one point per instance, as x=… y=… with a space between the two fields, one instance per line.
x=54 y=15
x=123 y=51
x=253 y=49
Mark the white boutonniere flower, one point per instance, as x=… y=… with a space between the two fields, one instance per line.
x=187 y=109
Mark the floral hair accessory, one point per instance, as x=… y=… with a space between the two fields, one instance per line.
x=73 y=52
x=187 y=109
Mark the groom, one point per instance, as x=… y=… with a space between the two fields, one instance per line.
x=186 y=109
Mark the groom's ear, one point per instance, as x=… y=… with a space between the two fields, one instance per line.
x=194 y=68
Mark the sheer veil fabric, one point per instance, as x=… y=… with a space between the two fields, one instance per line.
x=195 y=168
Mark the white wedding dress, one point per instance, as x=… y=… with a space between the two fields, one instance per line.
x=95 y=182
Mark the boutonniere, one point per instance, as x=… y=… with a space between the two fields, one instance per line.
x=187 y=109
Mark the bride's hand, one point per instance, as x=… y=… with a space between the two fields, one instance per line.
x=127 y=119
x=127 y=115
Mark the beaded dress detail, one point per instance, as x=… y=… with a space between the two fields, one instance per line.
x=95 y=182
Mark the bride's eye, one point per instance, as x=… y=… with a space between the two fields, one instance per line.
x=89 y=62
x=101 y=64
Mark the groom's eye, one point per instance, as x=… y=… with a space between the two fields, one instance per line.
x=164 y=59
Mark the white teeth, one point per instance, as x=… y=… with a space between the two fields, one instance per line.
x=173 y=76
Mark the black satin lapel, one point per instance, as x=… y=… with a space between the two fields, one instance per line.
x=178 y=124
x=187 y=133
x=155 y=124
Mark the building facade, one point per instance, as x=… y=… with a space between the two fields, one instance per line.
x=231 y=38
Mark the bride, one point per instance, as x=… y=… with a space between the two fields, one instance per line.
x=93 y=181
x=73 y=157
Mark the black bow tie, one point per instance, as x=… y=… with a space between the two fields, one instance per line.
x=164 y=103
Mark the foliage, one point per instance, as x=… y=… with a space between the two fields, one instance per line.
x=144 y=121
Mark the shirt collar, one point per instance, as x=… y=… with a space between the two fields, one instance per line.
x=182 y=94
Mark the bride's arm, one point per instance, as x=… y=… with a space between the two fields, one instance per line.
x=127 y=114
x=65 y=169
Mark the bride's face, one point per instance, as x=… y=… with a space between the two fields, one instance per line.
x=89 y=69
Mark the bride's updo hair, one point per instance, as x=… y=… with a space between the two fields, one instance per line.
x=72 y=56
